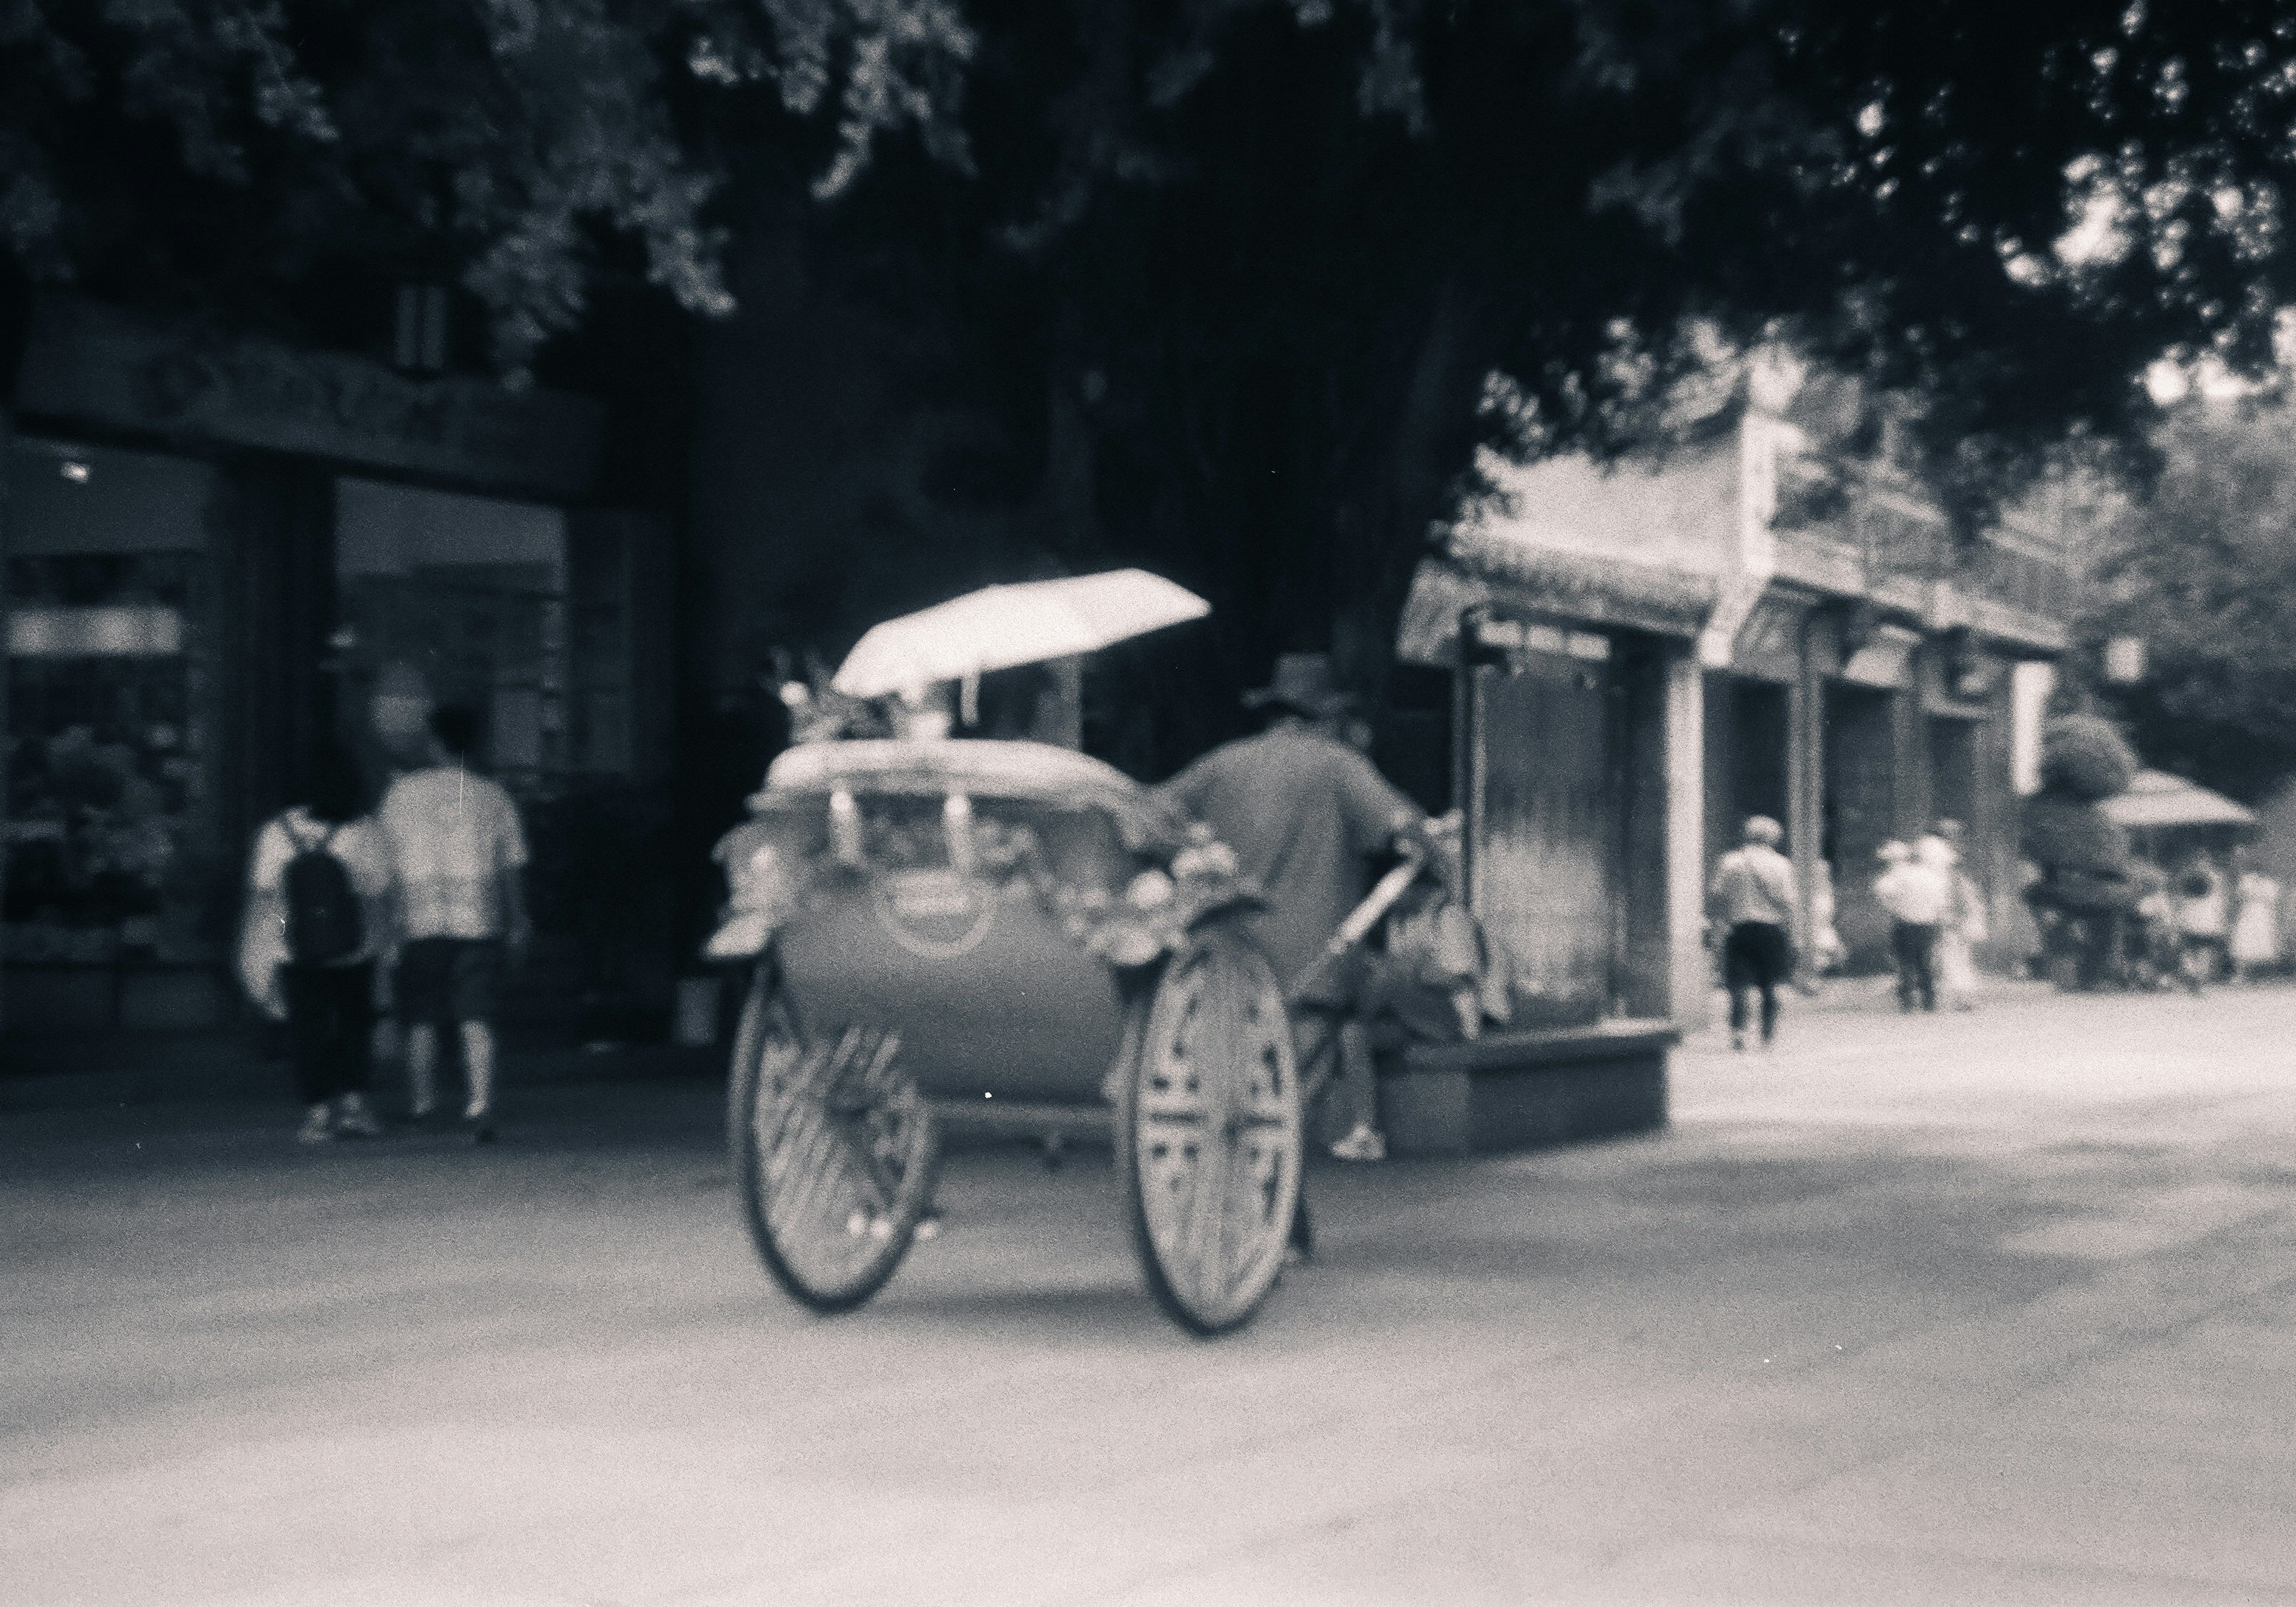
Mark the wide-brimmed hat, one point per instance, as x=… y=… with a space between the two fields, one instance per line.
x=1302 y=682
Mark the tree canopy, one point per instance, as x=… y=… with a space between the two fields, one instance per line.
x=2202 y=570
x=238 y=155
x=1238 y=274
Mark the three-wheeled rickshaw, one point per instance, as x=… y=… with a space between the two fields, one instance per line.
x=929 y=926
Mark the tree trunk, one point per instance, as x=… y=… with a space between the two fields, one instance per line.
x=15 y=316
x=7 y=744
x=1382 y=533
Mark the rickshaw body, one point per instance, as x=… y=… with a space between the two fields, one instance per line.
x=930 y=928
x=957 y=945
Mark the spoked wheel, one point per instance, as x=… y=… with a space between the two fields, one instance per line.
x=1208 y=1135
x=833 y=1150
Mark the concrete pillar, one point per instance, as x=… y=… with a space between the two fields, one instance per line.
x=1685 y=831
x=1911 y=805
x=1805 y=787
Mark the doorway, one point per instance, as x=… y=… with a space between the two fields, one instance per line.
x=1860 y=814
x=1746 y=733
x=1545 y=818
x=1952 y=768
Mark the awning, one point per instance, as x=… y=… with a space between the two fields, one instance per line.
x=2157 y=800
x=1484 y=571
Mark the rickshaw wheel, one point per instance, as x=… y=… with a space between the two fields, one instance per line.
x=834 y=1152
x=1208 y=1134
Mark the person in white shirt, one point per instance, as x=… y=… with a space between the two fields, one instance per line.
x=2256 y=919
x=2203 y=918
x=460 y=856
x=318 y=915
x=1751 y=905
x=1964 y=926
x=1917 y=895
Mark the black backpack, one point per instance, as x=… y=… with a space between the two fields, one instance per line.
x=325 y=922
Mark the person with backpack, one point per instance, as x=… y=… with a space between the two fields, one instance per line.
x=318 y=917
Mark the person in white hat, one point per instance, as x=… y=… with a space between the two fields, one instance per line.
x=1917 y=896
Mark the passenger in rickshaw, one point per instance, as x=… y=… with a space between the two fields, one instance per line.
x=1305 y=811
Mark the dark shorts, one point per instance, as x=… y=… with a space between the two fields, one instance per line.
x=1757 y=954
x=447 y=980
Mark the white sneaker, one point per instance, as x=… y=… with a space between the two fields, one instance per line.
x=353 y=1119
x=1364 y=1144
x=318 y=1125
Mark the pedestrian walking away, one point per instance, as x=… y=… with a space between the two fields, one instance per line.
x=1965 y=925
x=1916 y=895
x=1304 y=810
x=2203 y=901
x=318 y=915
x=2256 y=920
x=1751 y=908
x=460 y=856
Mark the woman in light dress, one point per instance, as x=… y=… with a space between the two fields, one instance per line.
x=2256 y=921
x=2203 y=918
x=1965 y=926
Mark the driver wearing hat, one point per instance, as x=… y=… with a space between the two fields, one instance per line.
x=1304 y=811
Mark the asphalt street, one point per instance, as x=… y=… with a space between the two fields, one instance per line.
x=1994 y=1308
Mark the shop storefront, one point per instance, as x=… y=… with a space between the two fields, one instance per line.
x=1575 y=764
x=1852 y=725
x=218 y=555
x=115 y=636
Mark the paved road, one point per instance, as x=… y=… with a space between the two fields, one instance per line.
x=1999 y=1308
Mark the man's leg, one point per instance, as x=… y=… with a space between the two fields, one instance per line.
x=1773 y=967
x=1925 y=943
x=1901 y=956
x=307 y=1048
x=479 y=1061
x=472 y=985
x=415 y=988
x=353 y=1049
x=1353 y=1097
x=1738 y=979
x=1315 y=1035
x=422 y=1067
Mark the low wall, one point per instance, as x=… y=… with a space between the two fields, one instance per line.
x=1523 y=1090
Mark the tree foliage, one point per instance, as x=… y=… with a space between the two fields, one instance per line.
x=1247 y=280
x=2202 y=568
x=229 y=153
x=1306 y=254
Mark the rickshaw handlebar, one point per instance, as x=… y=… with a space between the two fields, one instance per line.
x=1374 y=909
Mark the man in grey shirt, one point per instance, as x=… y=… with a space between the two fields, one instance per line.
x=1751 y=905
x=1304 y=811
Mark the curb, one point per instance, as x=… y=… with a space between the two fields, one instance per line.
x=230 y=1070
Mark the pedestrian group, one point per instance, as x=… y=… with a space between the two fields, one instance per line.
x=414 y=909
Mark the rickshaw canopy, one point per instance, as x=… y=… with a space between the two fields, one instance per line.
x=1000 y=626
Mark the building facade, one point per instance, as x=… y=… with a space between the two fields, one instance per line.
x=217 y=552
x=1641 y=655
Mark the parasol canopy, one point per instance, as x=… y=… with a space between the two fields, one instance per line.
x=999 y=627
x=2156 y=800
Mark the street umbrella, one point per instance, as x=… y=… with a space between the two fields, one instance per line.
x=999 y=627
x=2158 y=801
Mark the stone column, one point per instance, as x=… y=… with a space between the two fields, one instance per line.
x=1805 y=820
x=1685 y=846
